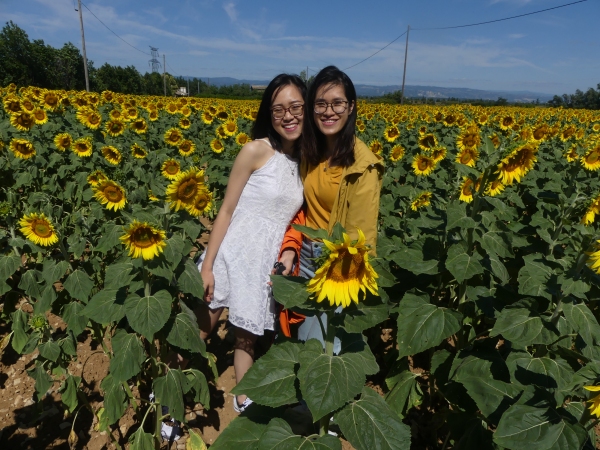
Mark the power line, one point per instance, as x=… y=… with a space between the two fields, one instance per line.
x=169 y=66
x=113 y=31
x=468 y=25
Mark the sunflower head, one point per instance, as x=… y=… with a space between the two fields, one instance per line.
x=82 y=147
x=185 y=123
x=376 y=147
x=423 y=165
x=96 y=177
x=466 y=190
x=345 y=273
x=143 y=240
x=173 y=136
x=170 y=169
x=216 y=145
x=50 y=100
x=22 y=121
x=114 y=127
x=38 y=229
x=22 y=148
x=109 y=193
x=468 y=139
x=422 y=200
x=230 y=127
x=391 y=133
x=203 y=203
x=438 y=154
x=428 y=141
x=63 y=141
x=242 y=139
x=39 y=116
x=183 y=191
x=111 y=154
x=139 y=126
x=593 y=261
x=468 y=157
x=517 y=163
x=591 y=160
x=396 y=153
x=89 y=117
x=207 y=117
x=186 y=147
x=138 y=151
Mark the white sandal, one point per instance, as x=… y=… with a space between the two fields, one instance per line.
x=241 y=408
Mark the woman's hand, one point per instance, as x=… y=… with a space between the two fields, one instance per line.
x=287 y=259
x=208 y=279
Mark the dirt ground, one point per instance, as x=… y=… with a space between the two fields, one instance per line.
x=27 y=425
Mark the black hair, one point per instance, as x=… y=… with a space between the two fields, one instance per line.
x=314 y=141
x=263 y=127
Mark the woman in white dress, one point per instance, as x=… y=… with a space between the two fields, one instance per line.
x=264 y=193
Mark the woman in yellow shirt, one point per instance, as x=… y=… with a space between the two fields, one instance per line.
x=341 y=176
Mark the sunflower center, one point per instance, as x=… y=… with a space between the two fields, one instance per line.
x=470 y=140
x=423 y=164
x=187 y=190
x=41 y=228
x=397 y=153
x=94 y=119
x=428 y=141
x=172 y=169
x=40 y=115
x=51 y=100
x=465 y=158
x=143 y=238
x=231 y=127
x=24 y=149
x=185 y=147
x=593 y=157
x=393 y=132
x=346 y=267
x=113 y=194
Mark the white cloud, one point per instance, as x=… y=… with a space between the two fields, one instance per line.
x=231 y=11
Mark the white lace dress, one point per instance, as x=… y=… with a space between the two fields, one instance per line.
x=269 y=201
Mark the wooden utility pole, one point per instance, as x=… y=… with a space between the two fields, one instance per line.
x=164 y=75
x=405 y=57
x=85 y=65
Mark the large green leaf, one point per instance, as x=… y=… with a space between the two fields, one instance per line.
x=328 y=382
x=370 y=423
x=54 y=271
x=494 y=241
x=365 y=315
x=413 y=260
x=19 y=327
x=173 y=250
x=544 y=372
x=405 y=392
x=190 y=280
x=72 y=314
x=279 y=436
x=46 y=300
x=457 y=217
x=110 y=237
x=525 y=426
x=147 y=315
x=462 y=265
x=492 y=397
x=241 y=433
x=8 y=265
x=50 y=350
x=522 y=325
x=169 y=391
x=422 y=325
x=184 y=333
x=271 y=381
x=114 y=398
x=29 y=283
x=118 y=276
x=128 y=355
x=141 y=441
x=534 y=276
x=289 y=291
x=106 y=306
x=69 y=392
x=43 y=381
x=197 y=382
x=79 y=285
x=583 y=321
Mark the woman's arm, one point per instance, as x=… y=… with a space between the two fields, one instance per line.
x=251 y=157
x=292 y=242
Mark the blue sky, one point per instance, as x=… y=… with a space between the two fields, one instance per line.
x=554 y=52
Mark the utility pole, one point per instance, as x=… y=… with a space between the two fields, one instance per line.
x=405 y=57
x=154 y=61
x=164 y=74
x=198 y=87
x=188 y=87
x=85 y=65
x=306 y=74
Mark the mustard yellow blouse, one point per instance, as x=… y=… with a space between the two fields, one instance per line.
x=321 y=185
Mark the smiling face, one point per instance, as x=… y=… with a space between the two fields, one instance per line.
x=289 y=127
x=331 y=123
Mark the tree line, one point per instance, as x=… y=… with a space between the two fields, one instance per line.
x=589 y=99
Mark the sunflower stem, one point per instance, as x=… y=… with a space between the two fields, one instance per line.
x=13 y=235
x=147 y=285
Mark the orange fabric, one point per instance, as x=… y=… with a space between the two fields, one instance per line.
x=321 y=186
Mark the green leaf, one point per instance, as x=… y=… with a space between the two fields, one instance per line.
x=457 y=216
x=279 y=436
x=77 y=245
x=45 y=302
x=169 y=391
x=570 y=286
x=493 y=264
x=118 y=276
x=8 y=265
x=185 y=334
x=141 y=441
x=19 y=327
x=110 y=237
x=523 y=326
x=197 y=382
x=271 y=381
x=522 y=426
x=29 y=283
x=72 y=314
x=43 y=381
x=106 y=306
x=405 y=392
x=50 y=350
x=534 y=276
x=422 y=325
x=365 y=315
x=493 y=241
x=241 y=433
x=290 y=291
x=114 y=398
x=128 y=355
x=79 y=285
x=492 y=397
x=583 y=321
x=312 y=233
x=147 y=315
x=69 y=392
x=190 y=281
x=474 y=434
x=194 y=441
x=462 y=265
x=500 y=209
x=412 y=259
x=173 y=250
x=355 y=347
x=160 y=267
x=370 y=423
x=543 y=372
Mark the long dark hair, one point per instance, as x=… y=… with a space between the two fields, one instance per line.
x=314 y=141
x=263 y=127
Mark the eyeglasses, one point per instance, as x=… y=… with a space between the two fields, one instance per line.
x=295 y=110
x=337 y=106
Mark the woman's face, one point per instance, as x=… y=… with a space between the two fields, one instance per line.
x=289 y=127
x=330 y=122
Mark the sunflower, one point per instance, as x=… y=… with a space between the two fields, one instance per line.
x=571 y=155
x=172 y=108
x=230 y=128
x=423 y=165
x=438 y=154
x=38 y=229
x=131 y=113
x=428 y=141
x=109 y=193
x=421 y=200
x=138 y=151
x=517 y=163
x=591 y=212
x=63 y=141
x=139 y=126
x=115 y=114
x=111 y=154
x=82 y=147
x=50 y=100
x=217 y=146
x=114 y=127
x=567 y=132
x=173 y=137
x=495 y=140
x=22 y=148
x=153 y=116
x=468 y=157
x=468 y=139
x=12 y=105
x=185 y=123
x=39 y=116
x=170 y=169
x=396 y=153
x=142 y=239
x=596 y=127
x=495 y=188
x=376 y=147
x=90 y=118
x=203 y=203
x=466 y=190
x=207 y=117
x=182 y=192
x=186 y=111
x=187 y=147
x=222 y=115
x=391 y=133
x=242 y=139
x=540 y=132
x=345 y=273
x=96 y=177
x=591 y=160
x=595 y=401
x=22 y=121
x=506 y=122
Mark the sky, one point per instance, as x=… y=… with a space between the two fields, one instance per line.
x=554 y=52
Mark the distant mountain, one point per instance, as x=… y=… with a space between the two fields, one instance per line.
x=431 y=92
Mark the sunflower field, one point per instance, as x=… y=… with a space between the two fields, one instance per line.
x=478 y=328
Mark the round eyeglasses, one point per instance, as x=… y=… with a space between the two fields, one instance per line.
x=337 y=106
x=295 y=110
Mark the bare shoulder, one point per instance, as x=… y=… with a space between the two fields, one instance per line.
x=255 y=153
